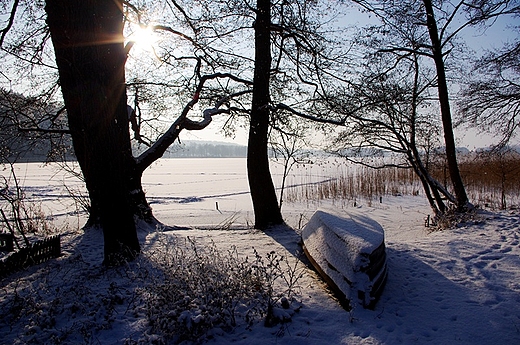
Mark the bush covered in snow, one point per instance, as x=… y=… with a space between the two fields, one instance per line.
x=200 y=291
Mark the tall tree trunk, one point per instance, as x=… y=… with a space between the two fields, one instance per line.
x=88 y=42
x=442 y=85
x=265 y=205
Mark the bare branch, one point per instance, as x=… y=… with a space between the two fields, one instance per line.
x=281 y=106
x=175 y=32
x=407 y=50
x=44 y=130
x=182 y=122
x=5 y=30
x=184 y=14
x=207 y=118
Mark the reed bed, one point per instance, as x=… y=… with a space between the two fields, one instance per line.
x=352 y=184
x=493 y=183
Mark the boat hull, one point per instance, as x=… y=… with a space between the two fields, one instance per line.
x=349 y=252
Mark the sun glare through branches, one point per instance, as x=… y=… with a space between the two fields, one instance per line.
x=143 y=40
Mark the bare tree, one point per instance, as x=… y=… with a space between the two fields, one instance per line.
x=411 y=16
x=491 y=98
x=281 y=37
x=443 y=23
x=392 y=119
x=289 y=147
x=437 y=53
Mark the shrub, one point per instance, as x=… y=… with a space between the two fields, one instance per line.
x=202 y=292
x=19 y=217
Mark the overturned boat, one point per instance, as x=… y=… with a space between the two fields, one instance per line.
x=348 y=251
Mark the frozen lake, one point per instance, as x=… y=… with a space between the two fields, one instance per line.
x=183 y=190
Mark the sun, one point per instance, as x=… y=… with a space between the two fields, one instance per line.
x=144 y=39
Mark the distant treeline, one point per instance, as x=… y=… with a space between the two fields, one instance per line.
x=194 y=149
x=39 y=152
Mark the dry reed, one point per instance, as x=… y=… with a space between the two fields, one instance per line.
x=490 y=181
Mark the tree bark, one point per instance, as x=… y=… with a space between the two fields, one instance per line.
x=442 y=86
x=265 y=204
x=136 y=196
x=88 y=42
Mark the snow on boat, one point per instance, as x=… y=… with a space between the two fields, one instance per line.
x=349 y=253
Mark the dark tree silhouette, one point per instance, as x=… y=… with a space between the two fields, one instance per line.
x=88 y=42
x=444 y=102
x=265 y=204
x=95 y=55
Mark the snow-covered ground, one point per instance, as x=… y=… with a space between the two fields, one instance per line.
x=459 y=286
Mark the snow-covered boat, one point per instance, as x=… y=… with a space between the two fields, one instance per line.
x=349 y=253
